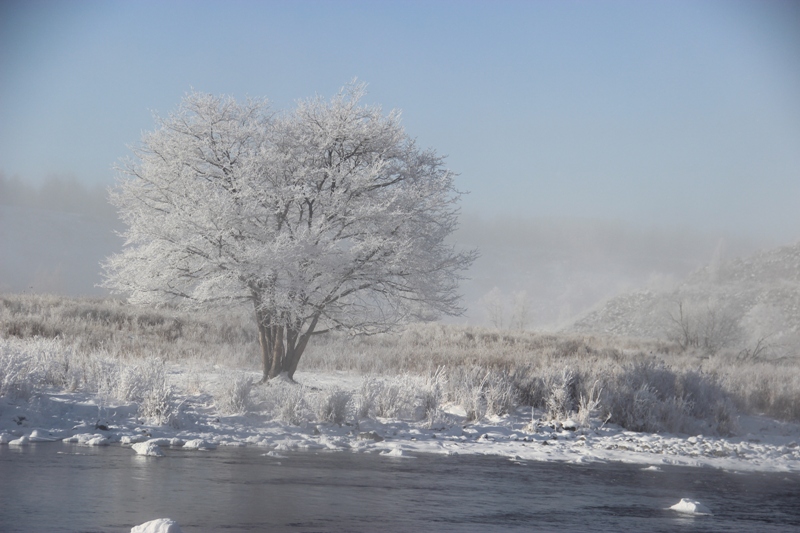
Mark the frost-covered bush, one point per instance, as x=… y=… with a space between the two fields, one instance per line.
x=15 y=377
x=465 y=388
x=332 y=405
x=650 y=396
x=233 y=395
x=589 y=405
x=364 y=400
x=157 y=404
x=560 y=403
x=30 y=364
x=392 y=398
x=151 y=390
x=431 y=394
x=500 y=394
x=285 y=401
x=772 y=389
x=404 y=397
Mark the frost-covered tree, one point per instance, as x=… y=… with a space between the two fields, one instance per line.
x=326 y=217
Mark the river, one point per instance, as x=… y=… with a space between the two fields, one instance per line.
x=53 y=487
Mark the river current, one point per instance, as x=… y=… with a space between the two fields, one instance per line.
x=54 y=487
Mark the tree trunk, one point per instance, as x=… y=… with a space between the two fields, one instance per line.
x=278 y=352
x=266 y=350
x=299 y=348
x=281 y=347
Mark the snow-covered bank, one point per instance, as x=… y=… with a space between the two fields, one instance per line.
x=81 y=419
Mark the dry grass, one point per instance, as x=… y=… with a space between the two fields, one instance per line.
x=643 y=385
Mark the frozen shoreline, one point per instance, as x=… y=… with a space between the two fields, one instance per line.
x=763 y=444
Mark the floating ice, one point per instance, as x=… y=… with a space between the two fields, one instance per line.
x=396 y=452
x=159 y=525
x=148 y=448
x=690 y=507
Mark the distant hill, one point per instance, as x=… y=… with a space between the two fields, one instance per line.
x=735 y=303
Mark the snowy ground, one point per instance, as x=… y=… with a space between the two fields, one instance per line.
x=763 y=444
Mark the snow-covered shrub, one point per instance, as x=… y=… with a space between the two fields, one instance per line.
x=233 y=395
x=15 y=377
x=286 y=401
x=157 y=405
x=465 y=388
x=769 y=388
x=561 y=401
x=53 y=361
x=153 y=392
x=500 y=394
x=651 y=396
x=389 y=398
x=431 y=394
x=364 y=400
x=332 y=405
x=405 y=396
x=589 y=405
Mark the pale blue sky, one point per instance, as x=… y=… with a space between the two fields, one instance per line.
x=657 y=113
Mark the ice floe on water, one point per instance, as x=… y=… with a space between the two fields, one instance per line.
x=80 y=419
x=689 y=506
x=148 y=448
x=159 y=525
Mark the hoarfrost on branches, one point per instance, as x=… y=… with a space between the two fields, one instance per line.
x=326 y=217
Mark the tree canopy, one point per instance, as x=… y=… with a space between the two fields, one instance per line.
x=325 y=217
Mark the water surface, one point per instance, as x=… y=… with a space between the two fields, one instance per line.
x=53 y=487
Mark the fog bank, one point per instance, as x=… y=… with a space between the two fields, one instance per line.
x=53 y=237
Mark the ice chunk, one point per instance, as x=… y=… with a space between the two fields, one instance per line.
x=199 y=444
x=148 y=448
x=97 y=441
x=690 y=507
x=159 y=525
x=396 y=452
x=40 y=436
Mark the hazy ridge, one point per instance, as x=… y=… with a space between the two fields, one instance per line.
x=759 y=297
